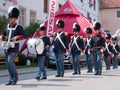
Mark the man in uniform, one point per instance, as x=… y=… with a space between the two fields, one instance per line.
x=12 y=33
x=97 y=45
x=41 y=75
x=107 y=51
x=60 y=47
x=77 y=47
x=87 y=46
x=115 y=52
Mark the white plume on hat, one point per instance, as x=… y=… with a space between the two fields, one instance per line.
x=43 y=24
x=94 y=23
x=74 y=25
x=113 y=36
x=10 y=9
x=57 y=21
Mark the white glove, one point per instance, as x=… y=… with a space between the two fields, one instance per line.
x=112 y=55
x=52 y=46
x=101 y=50
x=82 y=54
x=89 y=52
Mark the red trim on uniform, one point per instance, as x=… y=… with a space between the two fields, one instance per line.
x=21 y=37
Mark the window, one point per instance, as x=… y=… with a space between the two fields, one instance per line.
x=118 y=14
x=45 y=6
x=22 y=17
x=81 y=1
x=90 y=3
x=32 y=16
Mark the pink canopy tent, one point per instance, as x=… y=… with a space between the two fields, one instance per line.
x=70 y=15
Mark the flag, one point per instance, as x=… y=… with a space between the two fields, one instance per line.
x=50 y=26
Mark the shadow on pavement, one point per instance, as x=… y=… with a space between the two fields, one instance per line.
x=37 y=85
x=64 y=80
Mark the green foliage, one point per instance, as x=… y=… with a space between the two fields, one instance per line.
x=30 y=30
x=22 y=59
x=3 y=23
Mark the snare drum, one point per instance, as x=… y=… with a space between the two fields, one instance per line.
x=35 y=46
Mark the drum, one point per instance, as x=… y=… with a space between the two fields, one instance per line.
x=6 y=45
x=35 y=46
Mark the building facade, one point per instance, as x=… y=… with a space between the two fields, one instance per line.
x=38 y=10
x=110 y=15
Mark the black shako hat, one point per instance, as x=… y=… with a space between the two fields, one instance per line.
x=60 y=24
x=13 y=12
x=108 y=36
x=42 y=27
x=76 y=27
x=97 y=26
x=88 y=30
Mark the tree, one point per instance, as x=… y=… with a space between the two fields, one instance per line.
x=3 y=23
x=30 y=30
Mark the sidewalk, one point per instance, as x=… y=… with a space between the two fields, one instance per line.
x=109 y=80
x=4 y=73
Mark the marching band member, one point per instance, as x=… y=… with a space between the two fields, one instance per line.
x=107 y=51
x=97 y=45
x=87 y=46
x=12 y=33
x=77 y=46
x=115 y=51
x=41 y=75
x=60 y=47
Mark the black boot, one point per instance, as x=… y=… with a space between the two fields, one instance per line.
x=9 y=83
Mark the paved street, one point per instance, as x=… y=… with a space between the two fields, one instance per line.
x=110 y=80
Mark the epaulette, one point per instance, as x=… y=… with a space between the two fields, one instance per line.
x=66 y=33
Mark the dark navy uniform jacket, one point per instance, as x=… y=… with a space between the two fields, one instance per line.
x=97 y=42
x=74 y=49
x=46 y=41
x=87 y=46
x=117 y=49
x=18 y=32
x=58 y=47
x=106 y=52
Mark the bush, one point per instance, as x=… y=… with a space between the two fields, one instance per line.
x=30 y=30
x=3 y=23
x=22 y=59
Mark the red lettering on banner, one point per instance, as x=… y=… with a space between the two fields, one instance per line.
x=51 y=19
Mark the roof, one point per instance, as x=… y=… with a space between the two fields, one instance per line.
x=68 y=8
x=108 y=4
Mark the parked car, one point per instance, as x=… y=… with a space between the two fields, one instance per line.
x=51 y=60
